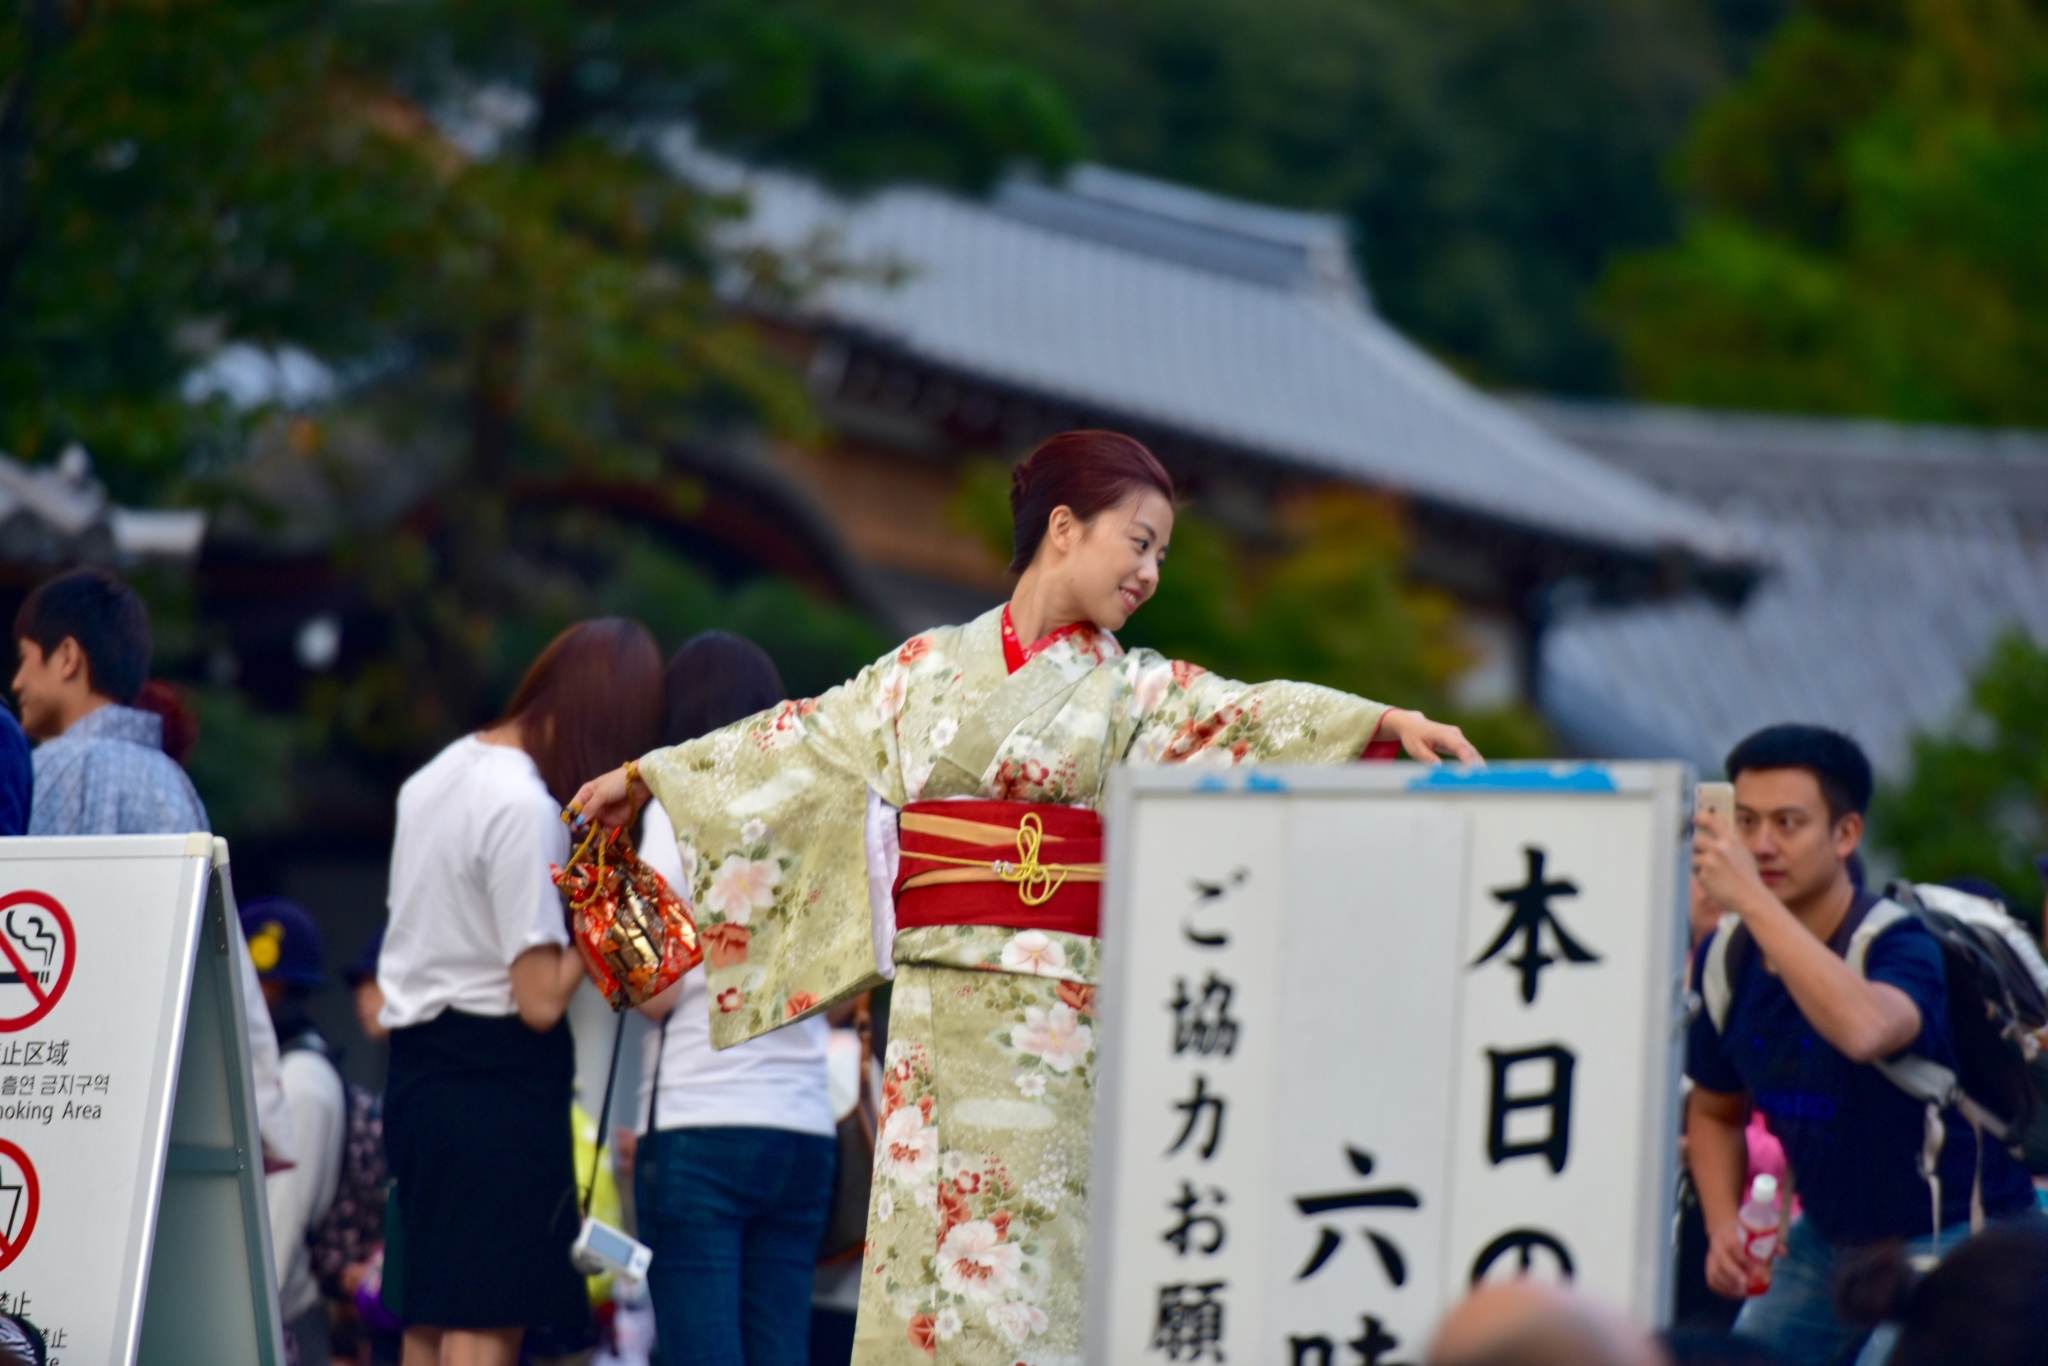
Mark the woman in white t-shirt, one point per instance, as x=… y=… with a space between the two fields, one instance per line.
x=476 y=973
x=733 y=1177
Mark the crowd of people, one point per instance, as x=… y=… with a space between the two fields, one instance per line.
x=432 y=1224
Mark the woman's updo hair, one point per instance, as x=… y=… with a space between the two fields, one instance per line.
x=1986 y=1304
x=1085 y=471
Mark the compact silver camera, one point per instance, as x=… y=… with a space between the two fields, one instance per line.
x=600 y=1248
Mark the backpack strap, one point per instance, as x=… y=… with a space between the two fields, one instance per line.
x=1934 y=1086
x=1925 y=1080
x=1717 y=978
x=1917 y=1076
x=1876 y=921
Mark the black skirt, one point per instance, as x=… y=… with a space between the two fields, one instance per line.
x=476 y=1127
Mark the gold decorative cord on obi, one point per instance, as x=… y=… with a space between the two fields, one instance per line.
x=1036 y=882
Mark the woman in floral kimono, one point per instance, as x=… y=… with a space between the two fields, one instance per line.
x=935 y=820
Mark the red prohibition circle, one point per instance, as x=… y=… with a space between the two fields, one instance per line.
x=45 y=1002
x=33 y=1191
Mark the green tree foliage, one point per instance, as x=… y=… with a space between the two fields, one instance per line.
x=167 y=173
x=1493 y=153
x=1976 y=802
x=1868 y=235
x=527 y=311
x=1331 y=605
x=786 y=80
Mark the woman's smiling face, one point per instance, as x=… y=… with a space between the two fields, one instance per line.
x=1113 y=566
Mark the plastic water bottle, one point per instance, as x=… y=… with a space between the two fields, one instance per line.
x=1759 y=1219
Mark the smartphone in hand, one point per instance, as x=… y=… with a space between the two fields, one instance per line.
x=1718 y=798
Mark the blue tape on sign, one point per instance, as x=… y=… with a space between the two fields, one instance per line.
x=1253 y=781
x=1554 y=778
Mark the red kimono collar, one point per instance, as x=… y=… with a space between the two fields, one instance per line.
x=1016 y=654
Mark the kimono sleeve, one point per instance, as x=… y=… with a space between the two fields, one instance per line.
x=1185 y=714
x=769 y=816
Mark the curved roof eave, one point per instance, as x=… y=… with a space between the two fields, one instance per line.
x=1294 y=375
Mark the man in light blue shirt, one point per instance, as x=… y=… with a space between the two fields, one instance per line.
x=100 y=768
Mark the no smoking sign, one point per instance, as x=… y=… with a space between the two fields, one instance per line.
x=37 y=950
x=21 y=1199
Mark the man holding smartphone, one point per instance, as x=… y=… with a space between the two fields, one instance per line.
x=1798 y=1039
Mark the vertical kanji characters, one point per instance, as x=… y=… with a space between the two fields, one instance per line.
x=1209 y=896
x=1555 y=1100
x=1204 y=1024
x=1194 y=1108
x=1190 y=1322
x=1370 y=1346
x=1190 y=1325
x=1530 y=916
x=1524 y=1243
x=1183 y=1236
x=1371 y=1197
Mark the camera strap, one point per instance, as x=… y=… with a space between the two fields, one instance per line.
x=611 y=1075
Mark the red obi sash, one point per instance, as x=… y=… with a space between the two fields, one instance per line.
x=1022 y=865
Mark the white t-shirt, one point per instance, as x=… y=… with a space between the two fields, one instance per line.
x=774 y=1082
x=470 y=888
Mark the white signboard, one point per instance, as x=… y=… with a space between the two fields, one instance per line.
x=1372 y=1034
x=126 y=1111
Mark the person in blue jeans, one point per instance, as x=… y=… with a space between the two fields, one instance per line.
x=733 y=1175
x=1800 y=1033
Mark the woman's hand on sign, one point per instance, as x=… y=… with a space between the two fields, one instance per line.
x=1428 y=741
x=1722 y=863
x=611 y=800
x=1731 y=1271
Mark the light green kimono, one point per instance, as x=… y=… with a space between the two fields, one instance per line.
x=977 y=1230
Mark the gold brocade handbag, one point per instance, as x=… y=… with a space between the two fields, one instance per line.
x=636 y=935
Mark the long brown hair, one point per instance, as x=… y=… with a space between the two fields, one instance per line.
x=591 y=701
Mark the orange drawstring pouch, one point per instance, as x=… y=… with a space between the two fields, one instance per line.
x=636 y=936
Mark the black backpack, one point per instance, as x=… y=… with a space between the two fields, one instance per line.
x=1996 y=1004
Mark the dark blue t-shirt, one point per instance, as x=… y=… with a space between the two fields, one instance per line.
x=1852 y=1137
x=17 y=776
